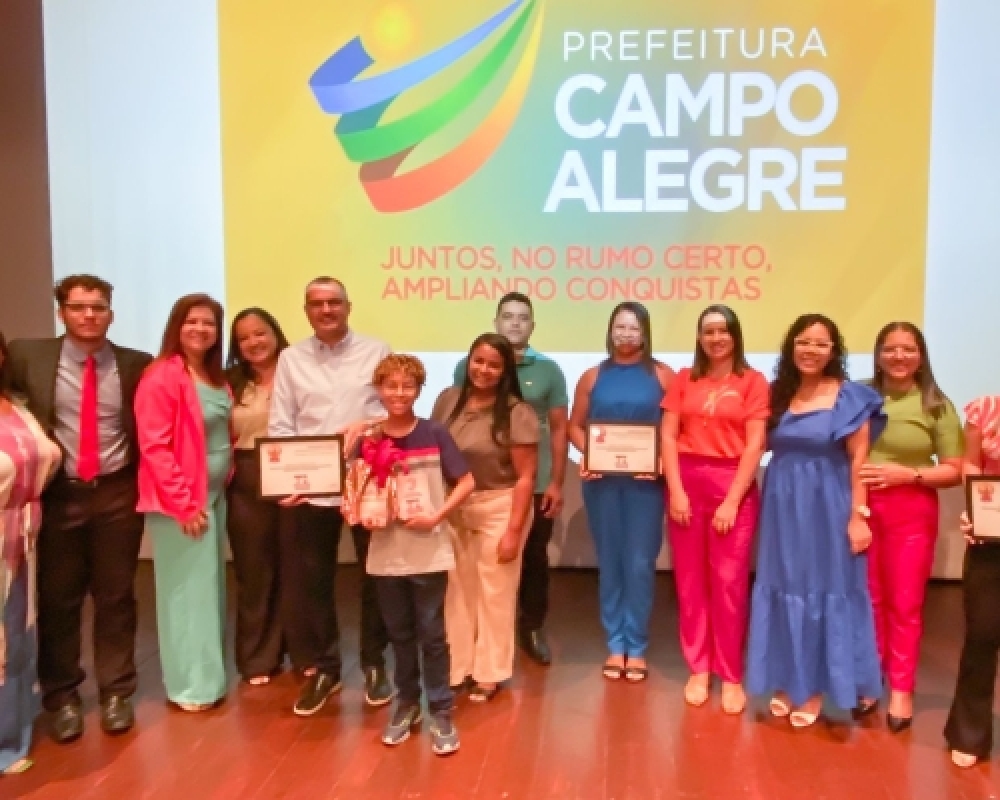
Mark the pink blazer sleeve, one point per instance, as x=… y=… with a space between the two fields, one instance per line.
x=163 y=485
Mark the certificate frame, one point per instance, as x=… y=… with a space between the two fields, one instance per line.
x=413 y=494
x=982 y=503
x=270 y=451
x=594 y=457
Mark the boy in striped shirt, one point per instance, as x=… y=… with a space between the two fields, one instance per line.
x=411 y=556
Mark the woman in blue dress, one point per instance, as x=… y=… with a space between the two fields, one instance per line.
x=812 y=630
x=625 y=512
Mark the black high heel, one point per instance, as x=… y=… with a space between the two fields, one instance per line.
x=864 y=709
x=897 y=724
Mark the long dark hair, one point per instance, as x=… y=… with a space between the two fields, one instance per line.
x=932 y=399
x=642 y=315
x=508 y=389
x=171 y=345
x=787 y=378
x=239 y=371
x=733 y=328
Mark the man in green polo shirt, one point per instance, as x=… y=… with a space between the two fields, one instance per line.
x=544 y=387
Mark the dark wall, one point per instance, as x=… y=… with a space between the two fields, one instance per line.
x=25 y=230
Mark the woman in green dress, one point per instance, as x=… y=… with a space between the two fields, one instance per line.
x=182 y=411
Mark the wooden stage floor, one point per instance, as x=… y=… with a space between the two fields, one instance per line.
x=561 y=732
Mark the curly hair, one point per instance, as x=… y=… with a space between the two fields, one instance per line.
x=508 y=390
x=90 y=283
x=787 y=377
x=411 y=366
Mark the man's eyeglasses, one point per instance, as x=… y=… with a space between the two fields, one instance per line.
x=82 y=308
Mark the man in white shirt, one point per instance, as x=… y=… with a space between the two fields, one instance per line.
x=322 y=385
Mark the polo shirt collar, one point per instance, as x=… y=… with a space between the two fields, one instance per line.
x=530 y=355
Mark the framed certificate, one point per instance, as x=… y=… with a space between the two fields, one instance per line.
x=413 y=495
x=982 y=494
x=309 y=466
x=619 y=448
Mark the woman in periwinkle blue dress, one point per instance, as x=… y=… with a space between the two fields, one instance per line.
x=812 y=631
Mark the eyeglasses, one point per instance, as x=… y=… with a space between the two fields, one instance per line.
x=318 y=304
x=900 y=351
x=813 y=344
x=82 y=308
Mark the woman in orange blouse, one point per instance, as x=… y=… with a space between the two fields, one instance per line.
x=713 y=438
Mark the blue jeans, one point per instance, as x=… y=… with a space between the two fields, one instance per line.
x=19 y=702
x=626 y=521
x=413 y=609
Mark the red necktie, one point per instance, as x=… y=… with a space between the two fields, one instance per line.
x=88 y=460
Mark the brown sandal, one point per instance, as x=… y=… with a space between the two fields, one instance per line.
x=636 y=674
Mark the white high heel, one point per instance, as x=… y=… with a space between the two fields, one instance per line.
x=803 y=719
x=779 y=707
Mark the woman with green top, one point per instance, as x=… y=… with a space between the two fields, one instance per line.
x=919 y=453
x=182 y=412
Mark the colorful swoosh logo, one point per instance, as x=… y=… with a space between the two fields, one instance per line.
x=381 y=149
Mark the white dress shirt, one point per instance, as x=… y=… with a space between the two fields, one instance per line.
x=319 y=390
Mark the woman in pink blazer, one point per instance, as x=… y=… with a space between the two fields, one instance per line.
x=182 y=409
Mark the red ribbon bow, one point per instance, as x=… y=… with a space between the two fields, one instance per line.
x=383 y=459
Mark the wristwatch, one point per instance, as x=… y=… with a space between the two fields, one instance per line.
x=863 y=511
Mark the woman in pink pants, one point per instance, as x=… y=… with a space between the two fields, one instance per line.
x=919 y=452
x=713 y=439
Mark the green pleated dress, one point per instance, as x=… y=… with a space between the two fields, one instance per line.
x=191 y=576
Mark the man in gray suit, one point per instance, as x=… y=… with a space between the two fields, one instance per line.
x=80 y=387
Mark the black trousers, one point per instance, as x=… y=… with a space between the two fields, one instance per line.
x=533 y=591
x=413 y=609
x=308 y=570
x=970 y=724
x=89 y=543
x=253 y=536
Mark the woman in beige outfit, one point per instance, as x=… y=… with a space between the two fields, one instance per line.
x=497 y=433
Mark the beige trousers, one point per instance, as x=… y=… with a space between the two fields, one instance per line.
x=481 y=603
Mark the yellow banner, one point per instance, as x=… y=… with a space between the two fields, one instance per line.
x=434 y=155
